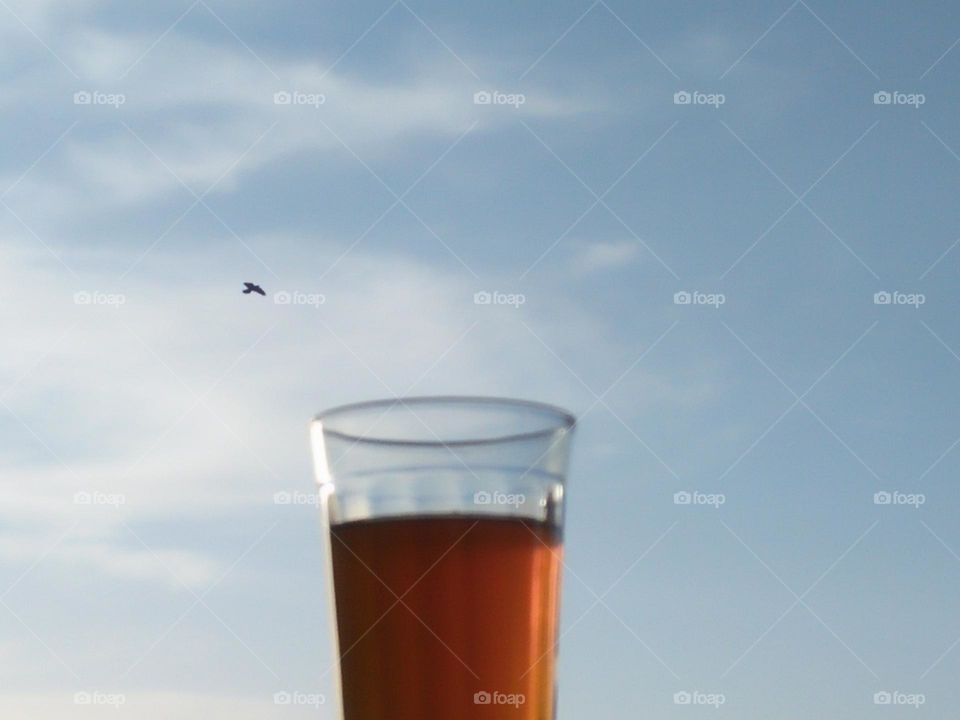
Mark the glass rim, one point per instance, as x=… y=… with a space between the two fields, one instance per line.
x=562 y=420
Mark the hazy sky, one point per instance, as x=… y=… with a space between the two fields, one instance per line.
x=791 y=170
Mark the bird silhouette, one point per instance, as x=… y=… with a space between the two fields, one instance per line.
x=252 y=288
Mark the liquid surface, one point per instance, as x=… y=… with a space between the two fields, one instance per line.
x=472 y=634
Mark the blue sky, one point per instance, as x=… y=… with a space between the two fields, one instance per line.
x=136 y=373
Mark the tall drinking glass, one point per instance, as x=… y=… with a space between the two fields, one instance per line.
x=444 y=522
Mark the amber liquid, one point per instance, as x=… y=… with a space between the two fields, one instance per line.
x=473 y=634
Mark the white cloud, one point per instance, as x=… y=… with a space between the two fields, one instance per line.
x=109 y=554
x=603 y=255
x=200 y=107
x=112 y=391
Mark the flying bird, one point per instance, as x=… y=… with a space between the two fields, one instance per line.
x=251 y=288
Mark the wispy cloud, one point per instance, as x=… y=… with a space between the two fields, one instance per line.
x=185 y=117
x=191 y=400
x=604 y=255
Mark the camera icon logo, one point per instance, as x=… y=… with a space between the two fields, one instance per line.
x=882 y=98
x=482 y=498
x=682 y=298
x=882 y=698
x=282 y=297
x=282 y=698
x=282 y=98
x=482 y=97
x=882 y=298
x=82 y=97
x=482 y=298
x=282 y=498
x=682 y=498
x=882 y=498
x=682 y=97
x=682 y=698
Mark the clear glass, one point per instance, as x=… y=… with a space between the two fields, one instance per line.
x=443 y=518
